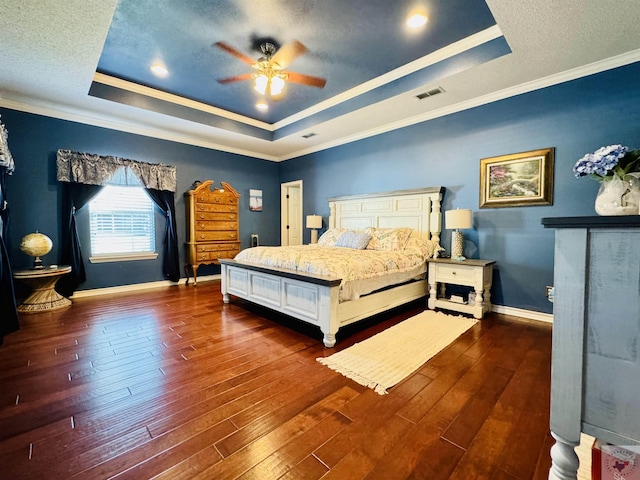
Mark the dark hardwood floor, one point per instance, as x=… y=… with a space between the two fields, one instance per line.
x=171 y=383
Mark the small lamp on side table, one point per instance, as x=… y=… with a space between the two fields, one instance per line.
x=314 y=222
x=457 y=219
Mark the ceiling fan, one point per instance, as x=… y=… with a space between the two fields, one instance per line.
x=270 y=74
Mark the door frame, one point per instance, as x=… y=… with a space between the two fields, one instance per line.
x=284 y=237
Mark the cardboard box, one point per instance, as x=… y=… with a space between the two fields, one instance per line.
x=612 y=462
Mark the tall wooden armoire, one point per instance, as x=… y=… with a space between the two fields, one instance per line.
x=212 y=225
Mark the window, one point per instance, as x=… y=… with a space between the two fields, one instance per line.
x=122 y=224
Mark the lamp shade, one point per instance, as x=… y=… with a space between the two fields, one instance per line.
x=459 y=218
x=314 y=221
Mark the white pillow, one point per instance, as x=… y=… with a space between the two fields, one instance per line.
x=356 y=240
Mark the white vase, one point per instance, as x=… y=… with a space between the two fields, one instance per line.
x=618 y=196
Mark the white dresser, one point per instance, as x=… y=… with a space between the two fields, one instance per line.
x=595 y=369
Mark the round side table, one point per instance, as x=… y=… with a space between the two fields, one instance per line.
x=44 y=296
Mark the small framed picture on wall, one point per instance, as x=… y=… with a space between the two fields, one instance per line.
x=255 y=200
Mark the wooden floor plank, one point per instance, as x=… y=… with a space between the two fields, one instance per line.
x=172 y=383
x=247 y=457
x=487 y=451
x=364 y=424
x=289 y=456
x=470 y=419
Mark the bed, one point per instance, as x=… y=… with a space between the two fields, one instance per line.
x=329 y=298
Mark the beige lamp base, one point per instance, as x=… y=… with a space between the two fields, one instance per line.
x=457 y=242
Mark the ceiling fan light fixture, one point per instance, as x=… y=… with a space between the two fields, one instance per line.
x=262 y=106
x=262 y=82
x=269 y=83
x=277 y=84
x=269 y=76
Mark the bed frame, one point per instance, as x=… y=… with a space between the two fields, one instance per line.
x=314 y=298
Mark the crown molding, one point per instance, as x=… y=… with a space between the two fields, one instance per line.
x=555 y=79
x=178 y=100
x=136 y=128
x=57 y=111
x=444 y=53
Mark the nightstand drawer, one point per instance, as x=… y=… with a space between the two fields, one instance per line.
x=452 y=273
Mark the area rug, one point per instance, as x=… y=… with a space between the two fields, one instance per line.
x=380 y=362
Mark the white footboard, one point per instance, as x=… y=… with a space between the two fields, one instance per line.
x=312 y=299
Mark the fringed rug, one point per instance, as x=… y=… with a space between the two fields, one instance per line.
x=385 y=359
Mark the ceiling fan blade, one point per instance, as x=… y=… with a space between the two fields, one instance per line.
x=237 y=78
x=239 y=55
x=306 y=79
x=288 y=52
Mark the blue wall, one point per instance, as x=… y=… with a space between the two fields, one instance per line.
x=576 y=117
x=35 y=195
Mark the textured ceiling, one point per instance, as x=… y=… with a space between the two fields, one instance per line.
x=88 y=61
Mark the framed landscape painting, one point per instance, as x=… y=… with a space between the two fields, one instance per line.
x=517 y=180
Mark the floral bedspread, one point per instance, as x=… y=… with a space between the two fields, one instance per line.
x=349 y=264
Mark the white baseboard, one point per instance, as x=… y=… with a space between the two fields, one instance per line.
x=519 y=312
x=516 y=312
x=137 y=286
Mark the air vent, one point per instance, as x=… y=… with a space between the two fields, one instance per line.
x=309 y=135
x=430 y=93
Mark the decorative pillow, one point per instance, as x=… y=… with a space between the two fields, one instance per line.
x=330 y=237
x=356 y=240
x=388 y=238
x=426 y=247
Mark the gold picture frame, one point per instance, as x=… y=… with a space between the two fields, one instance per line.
x=517 y=180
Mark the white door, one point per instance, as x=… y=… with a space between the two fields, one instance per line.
x=291 y=217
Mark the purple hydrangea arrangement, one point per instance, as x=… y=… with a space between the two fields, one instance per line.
x=608 y=162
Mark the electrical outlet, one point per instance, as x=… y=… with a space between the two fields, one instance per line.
x=550 y=293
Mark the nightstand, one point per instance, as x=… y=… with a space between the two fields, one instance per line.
x=477 y=274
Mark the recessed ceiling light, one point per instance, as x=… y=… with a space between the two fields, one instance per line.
x=417 y=20
x=262 y=106
x=159 y=70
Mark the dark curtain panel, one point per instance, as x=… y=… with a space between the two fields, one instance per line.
x=83 y=174
x=171 y=261
x=8 y=310
x=74 y=197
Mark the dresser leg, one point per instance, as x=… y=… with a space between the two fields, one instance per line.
x=564 y=460
x=186 y=273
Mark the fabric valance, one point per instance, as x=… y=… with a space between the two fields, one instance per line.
x=6 y=160
x=92 y=169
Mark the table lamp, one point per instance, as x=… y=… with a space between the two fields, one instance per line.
x=314 y=222
x=457 y=219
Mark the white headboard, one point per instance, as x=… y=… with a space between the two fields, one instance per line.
x=418 y=209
